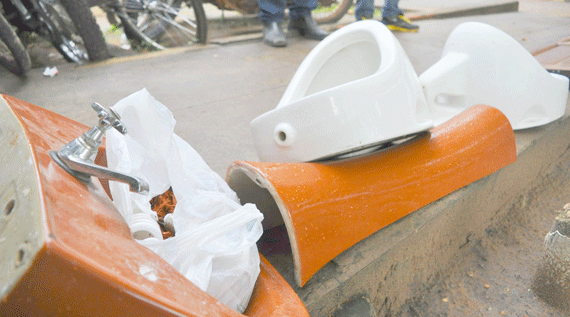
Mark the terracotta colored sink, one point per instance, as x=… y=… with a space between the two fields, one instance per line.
x=327 y=207
x=67 y=251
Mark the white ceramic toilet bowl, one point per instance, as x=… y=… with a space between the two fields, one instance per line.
x=355 y=89
x=483 y=65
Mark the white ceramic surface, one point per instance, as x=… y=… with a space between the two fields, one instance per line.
x=483 y=65
x=355 y=89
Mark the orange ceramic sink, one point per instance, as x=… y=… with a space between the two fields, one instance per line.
x=67 y=251
x=327 y=207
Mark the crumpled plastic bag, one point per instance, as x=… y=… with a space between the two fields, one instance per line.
x=214 y=245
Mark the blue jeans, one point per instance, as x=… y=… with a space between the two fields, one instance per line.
x=274 y=10
x=365 y=8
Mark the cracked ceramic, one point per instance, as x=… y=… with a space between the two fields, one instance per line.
x=481 y=64
x=355 y=89
x=66 y=250
x=328 y=207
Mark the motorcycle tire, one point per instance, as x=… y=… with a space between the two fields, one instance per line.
x=163 y=23
x=330 y=11
x=13 y=54
x=80 y=40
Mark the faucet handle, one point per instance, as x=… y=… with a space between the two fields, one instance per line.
x=77 y=157
x=109 y=118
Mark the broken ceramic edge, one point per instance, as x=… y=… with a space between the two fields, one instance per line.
x=251 y=185
x=22 y=234
x=337 y=103
x=460 y=139
x=370 y=148
x=481 y=64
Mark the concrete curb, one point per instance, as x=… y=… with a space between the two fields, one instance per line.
x=248 y=27
x=467 y=11
x=460 y=11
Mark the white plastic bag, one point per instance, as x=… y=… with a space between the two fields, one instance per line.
x=215 y=241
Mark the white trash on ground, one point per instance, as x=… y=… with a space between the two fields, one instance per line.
x=51 y=71
x=214 y=245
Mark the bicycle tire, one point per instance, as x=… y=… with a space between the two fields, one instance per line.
x=330 y=11
x=13 y=54
x=165 y=23
x=83 y=35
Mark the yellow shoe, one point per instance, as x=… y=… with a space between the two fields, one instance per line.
x=400 y=23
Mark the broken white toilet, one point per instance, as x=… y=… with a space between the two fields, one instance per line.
x=481 y=64
x=356 y=89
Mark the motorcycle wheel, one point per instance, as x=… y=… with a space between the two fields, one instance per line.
x=330 y=11
x=73 y=30
x=163 y=23
x=13 y=54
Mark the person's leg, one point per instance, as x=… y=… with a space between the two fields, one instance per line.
x=394 y=19
x=271 y=13
x=301 y=8
x=364 y=9
x=302 y=20
x=391 y=9
x=271 y=10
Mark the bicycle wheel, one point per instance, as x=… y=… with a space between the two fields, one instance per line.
x=163 y=23
x=330 y=11
x=13 y=54
x=72 y=29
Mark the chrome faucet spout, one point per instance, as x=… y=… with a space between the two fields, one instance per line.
x=88 y=168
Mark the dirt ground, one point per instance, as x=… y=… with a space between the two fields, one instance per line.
x=495 y=280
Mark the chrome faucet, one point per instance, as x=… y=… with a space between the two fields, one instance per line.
x=78 y=156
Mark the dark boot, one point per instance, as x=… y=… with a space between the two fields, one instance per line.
x=308 y=28
x=273 y=35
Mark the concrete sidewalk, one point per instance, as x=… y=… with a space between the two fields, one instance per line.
x=214 y=90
